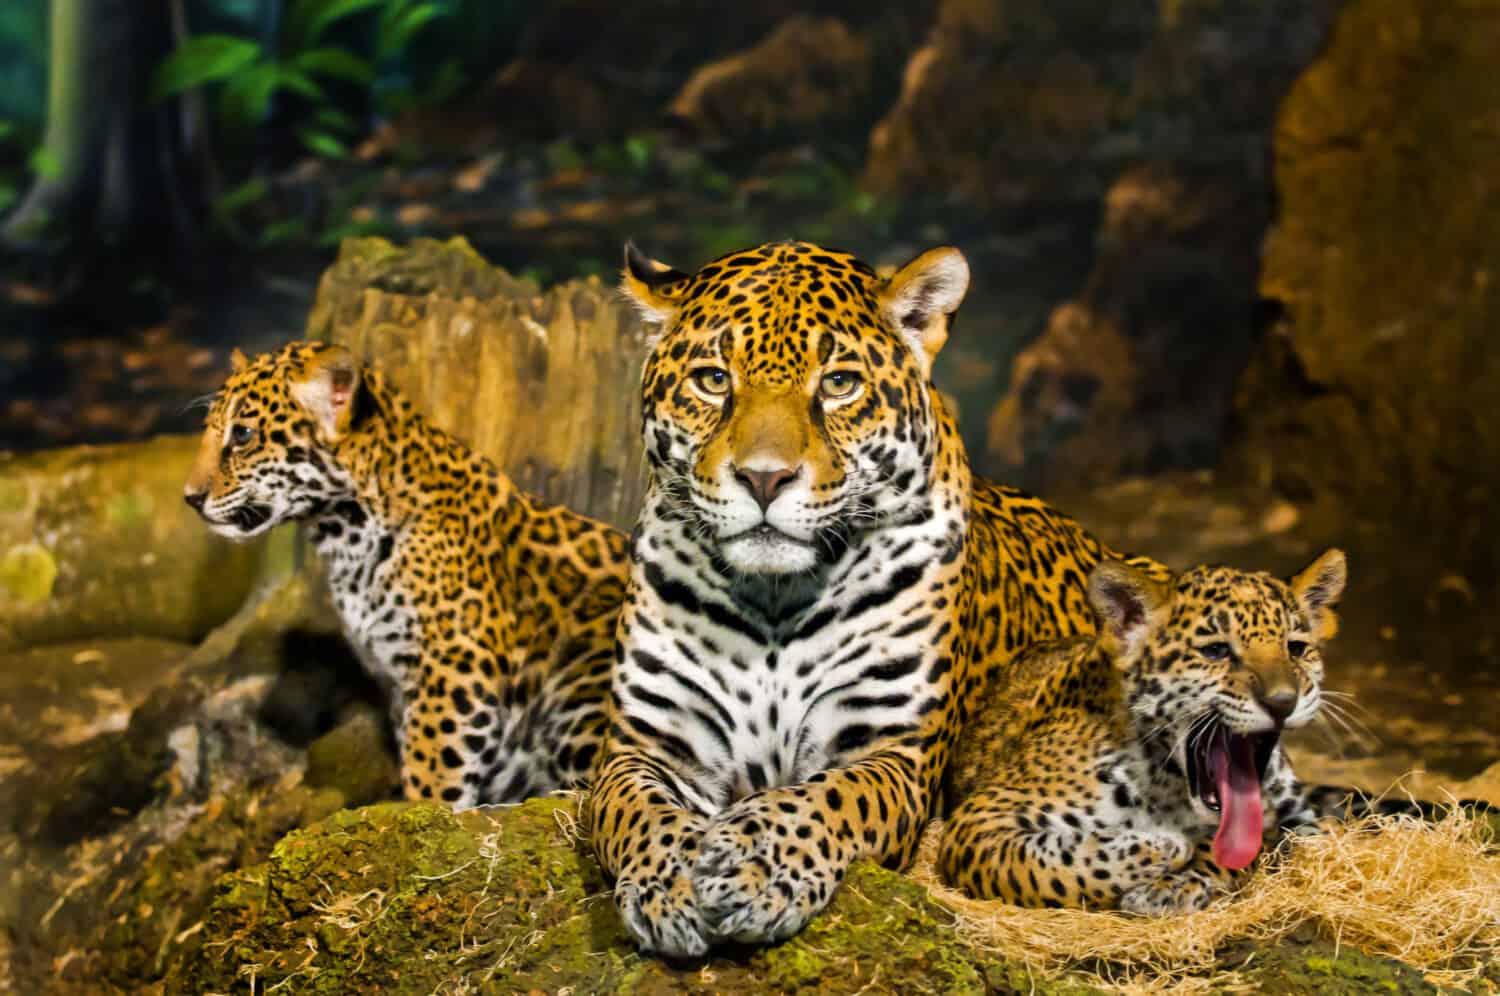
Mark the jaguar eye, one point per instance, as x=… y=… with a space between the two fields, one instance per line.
x=839 y=384
x=1296 y=648
x=712 y=381
x=1216 y=651
x=240 y=434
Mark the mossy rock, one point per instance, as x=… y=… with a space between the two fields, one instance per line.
x=133 y=774
x=411 y=898
x=354 y=760
x=95 y=541
x=403 y=897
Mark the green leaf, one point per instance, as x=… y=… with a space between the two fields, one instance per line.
x=285 y=230
x=323 y=144
x=337 y=63
x=299 y=82
x=6 y=129
x=8 y=195
x=311 y=18
x=352 y=230
x=335 y=119
x=246 y=99
x=45 y=164
x=446 y=82
x=399 y=24
x=638 y=152
x=242 y=196
x=200 y=60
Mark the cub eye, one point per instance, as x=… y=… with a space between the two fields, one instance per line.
x=1216 y=651
x=1296 y=648
x=839 y=384
x=240 y=434
x=712 y=381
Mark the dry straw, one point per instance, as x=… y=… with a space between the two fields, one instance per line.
x=1425 y=893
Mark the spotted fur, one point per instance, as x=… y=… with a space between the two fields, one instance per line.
x=816 y=588
x=1075 y=771
x=488 y=616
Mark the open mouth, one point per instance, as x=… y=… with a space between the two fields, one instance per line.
x=248 y=518
x=1225 y=771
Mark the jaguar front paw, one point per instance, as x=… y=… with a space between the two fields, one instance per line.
x=661 y=915
x=757 y=886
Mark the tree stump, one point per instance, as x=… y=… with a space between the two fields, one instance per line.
x=545 y=383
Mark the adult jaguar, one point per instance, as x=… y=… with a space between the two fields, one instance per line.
x=488 y=616
x=817 y=589
x=1141 y=768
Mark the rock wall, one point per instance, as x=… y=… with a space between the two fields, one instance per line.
x=544 y=383
x=810 y=75
x=1121 y=150
x=1379 y=386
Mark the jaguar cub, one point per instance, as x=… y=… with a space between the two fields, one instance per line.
x=1141 y=768
x=488 y=617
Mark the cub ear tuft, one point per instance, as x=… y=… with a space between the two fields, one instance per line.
x=920 y=299
x=1318 y=587
x=325 y=386
x=237 y=360
x=1126 y=603
x=652 y=286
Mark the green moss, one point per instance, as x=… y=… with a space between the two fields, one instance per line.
x=1303 y=963
x=28 y=572
x=132 y=926
x=14 y=496
x=403 y=897
x=128 y=509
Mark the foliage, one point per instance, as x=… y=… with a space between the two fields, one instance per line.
x=315 y=76
x=23 y=61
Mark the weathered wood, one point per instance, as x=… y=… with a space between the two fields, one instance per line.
x=543 y=382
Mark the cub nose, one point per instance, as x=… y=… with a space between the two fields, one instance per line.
x=765 y=485
x=1278 y=702
x=195 y=499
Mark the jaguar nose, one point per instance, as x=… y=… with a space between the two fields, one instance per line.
x=195 y=499
x=765 y=485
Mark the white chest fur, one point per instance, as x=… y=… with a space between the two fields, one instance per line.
x=766 y=686
x=362 y=561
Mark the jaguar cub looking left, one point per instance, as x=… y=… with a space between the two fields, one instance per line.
x=488 y=617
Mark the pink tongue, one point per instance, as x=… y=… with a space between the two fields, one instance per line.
x=1240 y=818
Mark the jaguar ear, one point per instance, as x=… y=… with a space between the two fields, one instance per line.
x=1127 y=604
x=653 y=287
x=920 y=299
x=237 y=361
x=325 y=386
x=1318 y=587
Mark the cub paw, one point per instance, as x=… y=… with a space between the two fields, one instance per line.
x=1167 y=895
x=1151 y=853
x=757 y=886
x=661 y=913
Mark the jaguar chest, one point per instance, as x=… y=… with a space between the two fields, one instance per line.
x=754 y=696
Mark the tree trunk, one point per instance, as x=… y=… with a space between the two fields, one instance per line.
x=115 y=173
x=545 y=384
